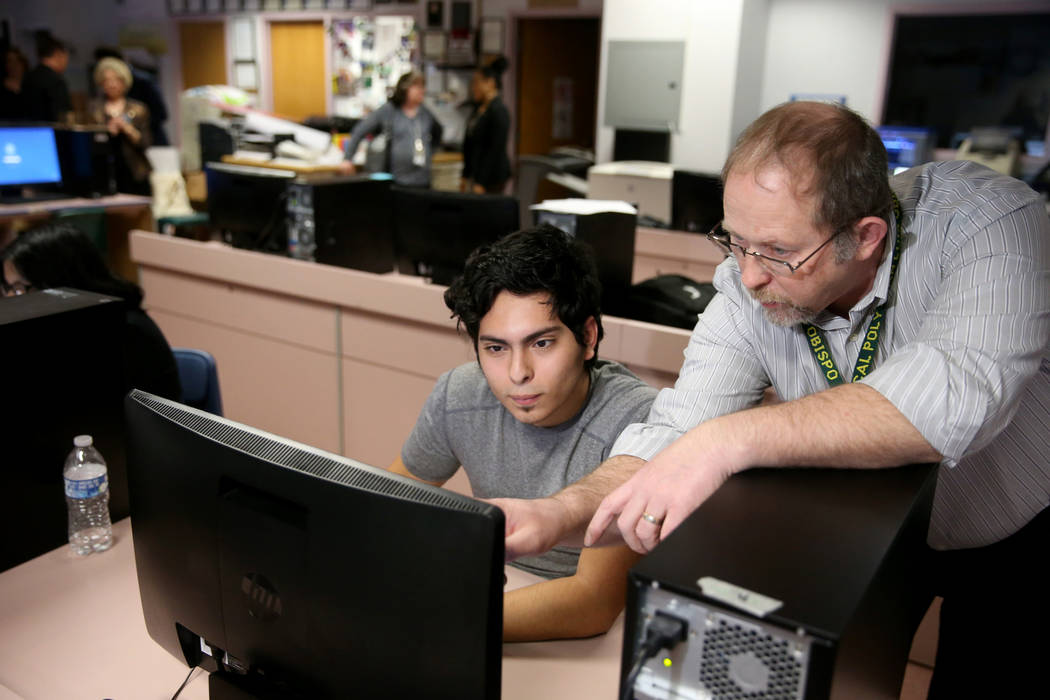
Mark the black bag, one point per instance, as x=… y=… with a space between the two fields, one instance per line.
x=670 y=300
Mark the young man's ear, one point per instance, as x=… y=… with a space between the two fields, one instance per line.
x=590 y=338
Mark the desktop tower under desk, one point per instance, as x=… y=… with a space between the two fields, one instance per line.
x=844 y=553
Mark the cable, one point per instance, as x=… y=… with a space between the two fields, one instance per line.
x=664 y=631
x=183 y=686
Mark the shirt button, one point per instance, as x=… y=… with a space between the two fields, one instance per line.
x=852 y=337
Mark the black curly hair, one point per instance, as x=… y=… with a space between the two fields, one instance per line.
x=61 y=255
x=541 y=259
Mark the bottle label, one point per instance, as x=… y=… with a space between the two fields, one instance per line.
x=86 y=488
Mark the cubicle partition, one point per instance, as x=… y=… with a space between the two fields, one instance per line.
x=335 y=358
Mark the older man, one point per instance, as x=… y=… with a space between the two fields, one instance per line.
x=901 y=322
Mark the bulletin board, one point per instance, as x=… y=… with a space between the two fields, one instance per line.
x=369 y=55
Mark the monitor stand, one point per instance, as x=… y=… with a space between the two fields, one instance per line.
x=19 y=195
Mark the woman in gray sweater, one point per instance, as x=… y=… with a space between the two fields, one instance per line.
x=410 y=130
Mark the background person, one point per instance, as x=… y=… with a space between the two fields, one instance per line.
x=486 y=167
x=410 y=130
x=61 y=255
x=143 y=89
x=12 y=97
x=948 y=265
x=127 y=121
x=46 y=92
x=537 y=411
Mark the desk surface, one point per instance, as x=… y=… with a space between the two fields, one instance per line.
x=51 y=205
x=71 y=627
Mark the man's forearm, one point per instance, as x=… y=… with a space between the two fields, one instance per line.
x=849 y=426
x=581 y=499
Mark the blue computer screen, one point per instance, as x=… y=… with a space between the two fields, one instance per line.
x=907 y=146
x=28 y=156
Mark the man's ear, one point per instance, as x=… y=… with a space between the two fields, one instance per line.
x=590 y=338
x=870 y=232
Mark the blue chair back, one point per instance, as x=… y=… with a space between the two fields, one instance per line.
x=199 y=379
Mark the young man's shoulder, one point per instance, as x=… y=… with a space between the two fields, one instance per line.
x=617 y=394
x=464 y=388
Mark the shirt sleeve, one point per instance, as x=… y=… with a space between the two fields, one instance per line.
x=428 y=453
x=721 y=374
x=959 y=381
x=372 y=122
x=493 y=146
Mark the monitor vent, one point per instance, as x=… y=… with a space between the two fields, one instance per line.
x=292 y=456
x=744 y=661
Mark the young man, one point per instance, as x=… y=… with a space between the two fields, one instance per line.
x=536 y=412
x=931 y=291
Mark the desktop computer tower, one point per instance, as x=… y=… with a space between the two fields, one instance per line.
x=85 y=155
x=789 y=584
x=344 y=221
x=64 y=378
x=610 y=236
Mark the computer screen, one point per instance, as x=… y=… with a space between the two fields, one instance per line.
x=696 y=201
x=309 y=573
x=248 y=205
x=435 y=231
x=907 y=146
x=28 y=156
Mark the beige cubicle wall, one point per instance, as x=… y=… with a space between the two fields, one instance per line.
x=335 y=358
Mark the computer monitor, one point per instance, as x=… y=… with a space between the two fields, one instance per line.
x=28 y=157
x=306 y=574
x=907 y=146
x=435 y=231
x=247 y=205
x=696 y=201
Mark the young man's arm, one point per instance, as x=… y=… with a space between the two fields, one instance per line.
x=582 y=605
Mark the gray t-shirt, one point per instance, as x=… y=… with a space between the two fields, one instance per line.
x=462 y=423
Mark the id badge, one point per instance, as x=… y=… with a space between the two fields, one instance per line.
x=419 y=156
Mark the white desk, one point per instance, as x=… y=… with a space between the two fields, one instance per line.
x=71 y=627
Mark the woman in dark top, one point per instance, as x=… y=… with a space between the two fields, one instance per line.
x=486 y=167
x=61 y=255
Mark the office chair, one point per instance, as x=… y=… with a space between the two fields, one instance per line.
x=199 y=379
x=90 y=220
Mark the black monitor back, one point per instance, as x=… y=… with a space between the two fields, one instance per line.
x=247 y=204
x=435 y=231
x=696 y=201
x=328 y=577
x=64 y=377
x=85 y=155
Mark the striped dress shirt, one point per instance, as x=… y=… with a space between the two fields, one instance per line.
x=965 y=354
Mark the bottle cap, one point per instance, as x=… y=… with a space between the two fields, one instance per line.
x=82 y=441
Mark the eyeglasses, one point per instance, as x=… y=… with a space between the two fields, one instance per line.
x=774 y=266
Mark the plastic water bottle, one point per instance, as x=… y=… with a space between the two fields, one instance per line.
x=87 y=498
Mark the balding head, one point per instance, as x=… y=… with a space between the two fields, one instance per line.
x=831 y=154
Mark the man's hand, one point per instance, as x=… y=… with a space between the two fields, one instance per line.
x=656 y=500
x=347 y=168
x=534 y=526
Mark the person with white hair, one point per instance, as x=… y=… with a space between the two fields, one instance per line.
x=128 y=124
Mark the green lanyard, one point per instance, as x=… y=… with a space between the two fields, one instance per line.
x=866 y=358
